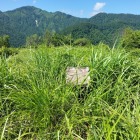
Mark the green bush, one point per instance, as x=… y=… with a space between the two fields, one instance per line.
x=82 y=42
x=8 y=51
x=4 y=41
x=131 y=38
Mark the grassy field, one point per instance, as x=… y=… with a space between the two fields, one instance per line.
x=37 y=104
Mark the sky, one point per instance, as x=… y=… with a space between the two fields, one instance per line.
x=78 y=8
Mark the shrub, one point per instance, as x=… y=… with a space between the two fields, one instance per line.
x=82 y=42
x=8 y=51
x=4 y=41
x=131 y=38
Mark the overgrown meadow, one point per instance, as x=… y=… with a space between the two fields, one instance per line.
x=37 y=104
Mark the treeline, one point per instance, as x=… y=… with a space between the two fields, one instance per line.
x=130 y=39
x=50 y=39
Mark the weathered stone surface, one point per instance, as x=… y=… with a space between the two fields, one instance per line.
x=77 y=75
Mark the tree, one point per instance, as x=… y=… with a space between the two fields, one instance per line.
x=47 y=39
x=131 y=38
x=4 y=41
x=68 y=40
x=33 y=40
x=58 y=40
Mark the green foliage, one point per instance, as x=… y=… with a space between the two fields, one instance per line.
x=5 y=49
x=61 y=40
x=85 y=30
x=135 y=52
x=120 y=19
x=8 y=51
x=47 y=38
x=33 y=40
x=82 y=42
x=104 y=27
x=4 y=41
x=131 y=38
x=36 y=102
x=55 y=39
x=95 y=33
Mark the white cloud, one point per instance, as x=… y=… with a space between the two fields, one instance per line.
x=34 y=1
x=98 y=6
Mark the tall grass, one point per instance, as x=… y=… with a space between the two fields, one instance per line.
x=36 y=102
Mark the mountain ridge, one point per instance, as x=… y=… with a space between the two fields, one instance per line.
x=33 y=7
x=21 y=22
x=27 y=20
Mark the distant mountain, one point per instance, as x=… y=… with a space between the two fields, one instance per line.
x=86 y=30
x=25 y=21
x=104 y=27
x=104 y=18
x=28 y=20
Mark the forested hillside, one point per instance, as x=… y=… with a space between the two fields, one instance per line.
x=87 y=30
x=104 y=18
x=26 y=21
x=104 y=27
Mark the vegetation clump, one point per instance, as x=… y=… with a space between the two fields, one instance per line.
x=5 y=47
x=131 y=38
x=82 y=42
